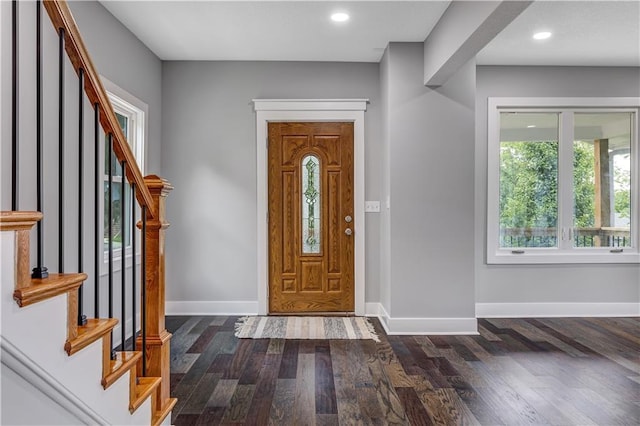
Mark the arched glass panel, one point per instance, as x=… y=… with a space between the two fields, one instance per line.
x=311 y=205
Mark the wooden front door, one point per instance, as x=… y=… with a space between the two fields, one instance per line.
x=311 y=242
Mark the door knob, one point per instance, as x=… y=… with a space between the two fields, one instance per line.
x=348 y=219
x=348 y=231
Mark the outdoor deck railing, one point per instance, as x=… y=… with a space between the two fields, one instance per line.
x=582 y=237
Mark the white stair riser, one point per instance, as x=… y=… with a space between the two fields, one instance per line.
x=39 y=330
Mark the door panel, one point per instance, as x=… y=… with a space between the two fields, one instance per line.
x=311 y=257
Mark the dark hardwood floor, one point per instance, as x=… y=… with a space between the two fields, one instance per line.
x=561 y=371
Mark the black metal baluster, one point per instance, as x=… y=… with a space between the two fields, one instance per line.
x=133 y=266
x=98 y=189
x=110 y=230
x=143 y=295
x=40 y=271
x=123 y=250
x=14 y=105
x=61 y=150
x=109 y=202
x=82 y=319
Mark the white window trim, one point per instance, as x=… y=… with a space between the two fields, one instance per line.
x=495 y=255
x=123 y=101
x=137 y=115
x=128 y=105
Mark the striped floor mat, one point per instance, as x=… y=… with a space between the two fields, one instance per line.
x=273 y=327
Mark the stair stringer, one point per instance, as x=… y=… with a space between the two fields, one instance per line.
x=26 y=385
x=39 y=331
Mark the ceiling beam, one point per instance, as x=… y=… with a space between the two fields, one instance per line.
x=462 y=31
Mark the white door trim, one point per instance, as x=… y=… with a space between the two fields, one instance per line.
x=286 y=110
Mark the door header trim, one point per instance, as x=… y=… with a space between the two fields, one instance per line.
x=310 y=104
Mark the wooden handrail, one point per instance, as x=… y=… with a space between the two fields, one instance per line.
x=62 y=18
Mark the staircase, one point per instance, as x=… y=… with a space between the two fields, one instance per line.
x=39 y=329
x=58 y=367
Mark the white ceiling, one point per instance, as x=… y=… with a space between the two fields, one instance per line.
x=275 y=30
x=585 y=32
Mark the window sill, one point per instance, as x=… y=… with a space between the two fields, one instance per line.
x=117 y=262
x=547 y=256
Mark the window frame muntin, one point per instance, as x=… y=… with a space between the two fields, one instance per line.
x=565 y=253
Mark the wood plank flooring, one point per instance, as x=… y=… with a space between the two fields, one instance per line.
x=560 y=371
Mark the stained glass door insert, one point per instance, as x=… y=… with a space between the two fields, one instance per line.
x=311 y=205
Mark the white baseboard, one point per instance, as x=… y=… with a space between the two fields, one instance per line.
x=373 y=309
x=532 y=310
x=211 y=308
x=431 y=326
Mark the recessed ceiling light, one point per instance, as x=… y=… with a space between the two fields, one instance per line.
x=531 y=126
x=542 y=35
x=340 y=17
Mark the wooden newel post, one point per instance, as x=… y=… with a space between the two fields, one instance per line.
x=157 y=336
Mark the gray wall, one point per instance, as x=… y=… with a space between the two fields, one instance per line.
x=385 y=217
x=431 y=139
x=119 y=56
x=5 y=105
x=420 y=154
x=128 y=63
x=546 y=283
x=27 y=102
x=209 y=155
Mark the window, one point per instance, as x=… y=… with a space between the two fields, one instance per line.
x=119 y=201
x=563 y=180
x=130 y=113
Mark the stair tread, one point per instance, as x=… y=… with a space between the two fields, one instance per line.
x=159 y=416
x=46 y=288
x=13 y=221
x=89 y=333
x=144 y=388
x=118 y=367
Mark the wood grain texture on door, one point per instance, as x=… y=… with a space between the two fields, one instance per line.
x=311 y=242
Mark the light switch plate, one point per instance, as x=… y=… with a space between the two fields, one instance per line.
x=372 y=206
